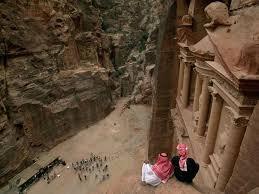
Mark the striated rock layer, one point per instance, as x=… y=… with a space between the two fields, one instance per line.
x=63 y=64
x=54 y=78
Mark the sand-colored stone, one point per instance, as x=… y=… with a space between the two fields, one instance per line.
x=216 y=109
x=203 y=110
x=186 y=85
x=237 y=45
x=232 y=76
x=180 y=79
x=63 y=65
x=121 y=137
x=245 y=174
x=197 y=93
x=165 y=88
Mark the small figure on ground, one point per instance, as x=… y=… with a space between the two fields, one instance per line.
x=79 y=177
x=185 y=168
x=161 y=171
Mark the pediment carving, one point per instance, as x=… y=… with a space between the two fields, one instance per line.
x=237 y=45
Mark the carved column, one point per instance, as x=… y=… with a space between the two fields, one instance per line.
x=186 y=84
x=216 y=109
x=197 y=93
x=235 y=137
x=203 y=110
x=180 y=80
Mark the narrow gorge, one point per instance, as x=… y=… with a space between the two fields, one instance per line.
x=94 y=93
x=64 y=65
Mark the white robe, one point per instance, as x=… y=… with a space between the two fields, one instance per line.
x=148 y=175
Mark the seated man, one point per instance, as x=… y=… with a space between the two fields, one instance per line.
x=185 y=168
x=161 y=171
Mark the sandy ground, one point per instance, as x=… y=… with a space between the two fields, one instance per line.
x=122 y=139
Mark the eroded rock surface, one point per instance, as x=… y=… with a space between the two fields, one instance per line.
x=218 y=13
x=63 y=65
x=52 y=79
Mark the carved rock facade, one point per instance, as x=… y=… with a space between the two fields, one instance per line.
x=217 y=92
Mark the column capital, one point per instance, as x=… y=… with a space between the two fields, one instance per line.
x=238 y=120
x=214 y=93
x=194 y=69
x=204 y=76
x=188 y=63
x=180 y=56
x=212 y=90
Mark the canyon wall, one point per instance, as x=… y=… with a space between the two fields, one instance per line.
x=64 y=63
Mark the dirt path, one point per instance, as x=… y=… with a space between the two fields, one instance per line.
x=122 y=139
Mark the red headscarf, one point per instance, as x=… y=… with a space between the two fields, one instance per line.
x=163 y=167
x=182 y=151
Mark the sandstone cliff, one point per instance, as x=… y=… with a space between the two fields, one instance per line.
x=63 y=65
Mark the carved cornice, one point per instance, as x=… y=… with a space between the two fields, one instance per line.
x=203 y=69
x=186 y=55
x=244 y=109
x=203 y=56
x=183 y=46
x=248 y=86
x=236 y=48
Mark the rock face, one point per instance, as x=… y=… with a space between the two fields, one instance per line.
x=165 y=88
x=63 y=65
x=54 y=78
x=245 y=175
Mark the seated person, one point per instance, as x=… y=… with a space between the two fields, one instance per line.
x=185 y=168
x=161 y=171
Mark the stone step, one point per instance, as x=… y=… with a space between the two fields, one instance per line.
x=214 y=163
x=212 y=173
